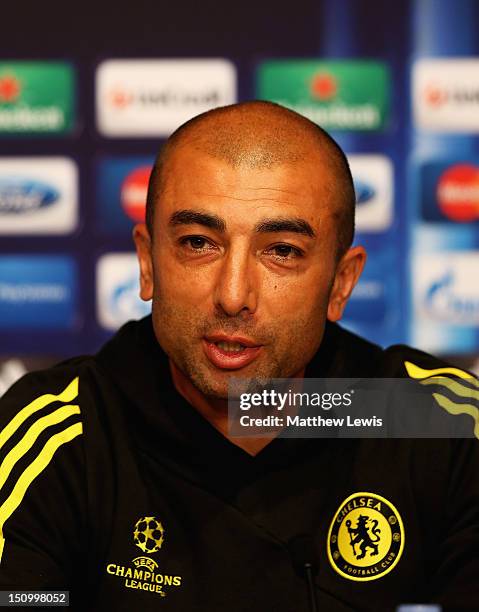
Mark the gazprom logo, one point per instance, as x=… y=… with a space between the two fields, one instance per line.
x=21 y=195
x=364 y=191
x=124 y=302
x=118 y=290
x=447 y=297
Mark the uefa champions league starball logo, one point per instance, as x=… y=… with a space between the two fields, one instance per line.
x=149 y=534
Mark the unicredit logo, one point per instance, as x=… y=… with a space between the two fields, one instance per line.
x=446 y=94
x=152 y=97
x=18 y=195
x=133 y=193
x=162 y=98
x=437 y=96
x=324 y=86
x=458 y=193
x=119 y=98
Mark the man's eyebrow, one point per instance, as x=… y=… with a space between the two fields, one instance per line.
x=286 y=224
x=277 y=224
x=194 y=217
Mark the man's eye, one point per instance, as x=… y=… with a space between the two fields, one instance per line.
x=284 y=251
x=196 y=243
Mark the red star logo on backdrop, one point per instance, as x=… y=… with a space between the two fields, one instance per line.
x=435 y=96
x=120 y=98
x=9 y=88
x=324 y=86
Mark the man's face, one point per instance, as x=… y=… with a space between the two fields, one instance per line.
x=242 y=268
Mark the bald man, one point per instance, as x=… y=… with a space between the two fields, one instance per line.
x=120 y=478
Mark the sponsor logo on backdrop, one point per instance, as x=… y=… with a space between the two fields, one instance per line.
x=449 y=190
x=38 y=195
x=373 y=184
x=458 y=193
x=121 y=188
x=368 y=301
x=338 y=95
x=446 y=94
x=36 y=97
x=20 y=195
x=365 y=192
x=37 y=292
x=10 y=88
x=446 y=288
x=134 y=190
x=153 y=97
x=375 y=297
x=324 y=86
x=118 y=289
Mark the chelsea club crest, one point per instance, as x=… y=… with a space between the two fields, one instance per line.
x=366 y=537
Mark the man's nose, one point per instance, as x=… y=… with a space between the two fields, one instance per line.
x=236 y=287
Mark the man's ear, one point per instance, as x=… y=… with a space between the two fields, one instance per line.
x=142 y=239
x=347 y=274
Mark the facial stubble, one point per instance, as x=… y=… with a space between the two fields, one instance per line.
x=180 y=332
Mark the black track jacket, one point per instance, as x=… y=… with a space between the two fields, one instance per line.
x=113 y=487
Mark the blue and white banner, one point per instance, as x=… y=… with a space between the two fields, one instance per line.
x=38 y=291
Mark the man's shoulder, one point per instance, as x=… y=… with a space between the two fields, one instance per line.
x=363 y=357
x=60 y=379
x=402 y=360
x=41 y=433
x=79 y=374
x=61 y=391
x=95 y=384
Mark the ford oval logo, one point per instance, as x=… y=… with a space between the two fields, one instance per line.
x=20 y=195
x=364 y=192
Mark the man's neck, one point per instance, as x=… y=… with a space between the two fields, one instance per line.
x=215 y=411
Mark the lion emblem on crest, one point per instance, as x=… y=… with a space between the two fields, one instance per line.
x=363 y=536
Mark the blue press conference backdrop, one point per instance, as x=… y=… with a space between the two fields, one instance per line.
x=398 y=87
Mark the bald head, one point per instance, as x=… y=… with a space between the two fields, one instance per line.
x=260 y=135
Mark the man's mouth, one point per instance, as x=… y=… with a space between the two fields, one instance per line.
x=230 y=347
x=230 y=353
